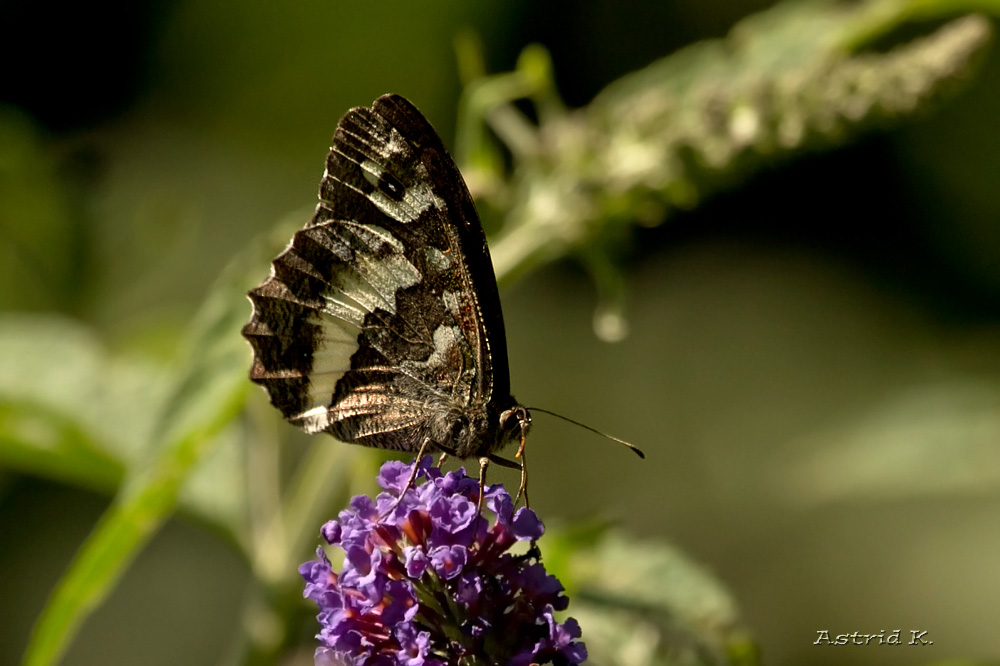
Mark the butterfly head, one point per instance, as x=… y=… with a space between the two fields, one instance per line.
x=514 y=424
x=483 y=432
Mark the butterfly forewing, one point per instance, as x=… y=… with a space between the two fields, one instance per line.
x=381 y=322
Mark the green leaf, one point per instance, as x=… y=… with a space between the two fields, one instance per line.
x=206 y=395
x=644 y=603
x=63 y=394
x=38 y=440
x=936 y=440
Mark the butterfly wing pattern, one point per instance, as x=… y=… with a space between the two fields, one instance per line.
x=380 y=323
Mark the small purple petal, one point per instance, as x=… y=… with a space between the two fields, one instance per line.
x=469 y=588
x=526 y=525
x=524 y=658
x=403 y=603
x=394 y=475
x=448 y=561
x=321 y=582
x=413 y=644
x=331 y=531
x=536 y=582
x=502 y=505
x=316 y=572
x=451 y=515
x=357 y=561
x=326 y=657
x=364 y=508
x=575 y=652
x=562 y=634
x=495 y=490
x=457 y=483
x=341 y=634
x=416 y=561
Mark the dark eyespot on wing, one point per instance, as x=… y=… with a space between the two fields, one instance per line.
x=390 y=186
x=374 y=169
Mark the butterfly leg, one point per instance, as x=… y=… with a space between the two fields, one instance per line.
x=525 y=422
x=523 y=488
x=411 y=480
x=509 y=464
x=484 y=462
x=444 y=456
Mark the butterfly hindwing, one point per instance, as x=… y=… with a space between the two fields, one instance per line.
x=381 y=322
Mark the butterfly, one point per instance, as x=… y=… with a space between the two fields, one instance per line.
x=380 y=323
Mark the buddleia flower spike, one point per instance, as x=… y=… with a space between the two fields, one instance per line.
x=433 y=581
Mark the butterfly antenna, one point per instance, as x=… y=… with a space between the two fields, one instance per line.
x=635 y=449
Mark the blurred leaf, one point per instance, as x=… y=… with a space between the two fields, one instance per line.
x=931 y=440
x=39 y=441
x=643 y=603
x=54 y=366
x=71 y=411
x=205 y=396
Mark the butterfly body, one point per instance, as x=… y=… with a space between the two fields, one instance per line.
x=380 y=323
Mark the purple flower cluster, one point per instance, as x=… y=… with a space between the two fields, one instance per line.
x=431 y=582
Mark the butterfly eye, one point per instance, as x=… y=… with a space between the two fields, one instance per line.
x=515 y=420
x=390 y=186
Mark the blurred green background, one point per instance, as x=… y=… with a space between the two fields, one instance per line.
x=813 y=365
